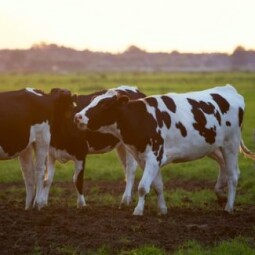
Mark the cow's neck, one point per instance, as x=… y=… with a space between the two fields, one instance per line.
x=127 y=119
x=116 y=126
x=136 y=125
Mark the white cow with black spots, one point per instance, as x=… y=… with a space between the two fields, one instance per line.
x=172 y=128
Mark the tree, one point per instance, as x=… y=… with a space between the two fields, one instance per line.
x=239 y=58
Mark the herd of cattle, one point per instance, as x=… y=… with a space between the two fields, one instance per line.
x=152 y=131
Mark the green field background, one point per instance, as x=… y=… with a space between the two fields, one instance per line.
x=107 y=166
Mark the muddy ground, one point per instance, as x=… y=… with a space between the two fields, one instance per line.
x=86 y=230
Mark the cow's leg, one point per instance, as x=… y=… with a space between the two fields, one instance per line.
x=78 y=182
x=150 y=171
x=129 y=164
x=27 y=167
x=41 y=150
x=222 y=180
x=230 y=152
x=48 y=179
x=158 y=186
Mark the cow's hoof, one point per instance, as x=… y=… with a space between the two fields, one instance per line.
x=229 y=209
x=162 y=211
x=81 y=205
x=125 y=202
x=138 y=212
x=28 y=207
x=40 y=204
x=81 y=202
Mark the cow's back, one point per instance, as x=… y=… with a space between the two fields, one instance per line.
x=201 y=122
x=24 y=105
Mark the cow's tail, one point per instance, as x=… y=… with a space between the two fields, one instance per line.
x=247 y=153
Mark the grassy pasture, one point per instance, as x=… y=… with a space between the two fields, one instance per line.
x=107 y=168
x=104 y=167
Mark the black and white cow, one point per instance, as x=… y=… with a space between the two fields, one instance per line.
x=69 y=143
x=162 y=129
x=27 y=118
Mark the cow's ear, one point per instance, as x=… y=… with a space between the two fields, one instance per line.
x=123 y=100
x=54 y=91
x=75 y=100
x=70 y=109
x=60 y=93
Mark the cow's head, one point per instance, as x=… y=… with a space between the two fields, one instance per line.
x=63 y=107
x=101 y=111
x=63 y=100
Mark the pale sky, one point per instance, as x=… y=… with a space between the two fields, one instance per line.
x=113 y=25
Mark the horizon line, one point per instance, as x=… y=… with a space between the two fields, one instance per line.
x=43 y=44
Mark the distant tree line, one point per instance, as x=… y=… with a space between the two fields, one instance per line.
x=52 y=58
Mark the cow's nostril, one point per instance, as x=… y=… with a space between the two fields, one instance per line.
x=77 y=118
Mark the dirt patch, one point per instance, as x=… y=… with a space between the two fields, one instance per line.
x=88 y=229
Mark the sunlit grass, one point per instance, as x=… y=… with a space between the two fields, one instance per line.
x=236 y=246
x=10 y=171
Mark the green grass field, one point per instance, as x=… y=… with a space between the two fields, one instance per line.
x=150 y=83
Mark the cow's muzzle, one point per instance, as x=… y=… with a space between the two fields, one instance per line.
x=79 y=121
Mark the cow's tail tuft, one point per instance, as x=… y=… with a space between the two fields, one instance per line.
x=247 y=153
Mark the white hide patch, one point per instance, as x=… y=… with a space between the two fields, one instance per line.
x=32 y=90
x=126 y=87
x=109 y=94
x=40 y=133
